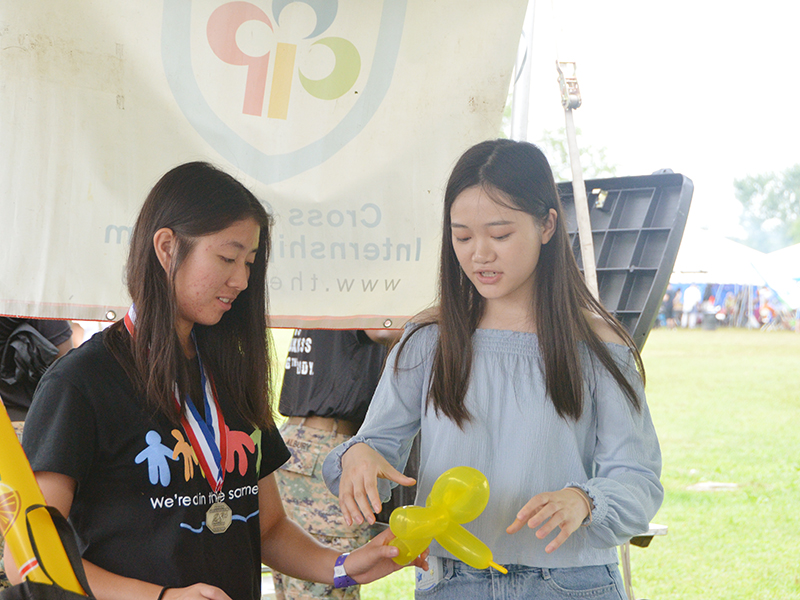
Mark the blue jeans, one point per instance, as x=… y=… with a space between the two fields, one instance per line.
x=460 y=581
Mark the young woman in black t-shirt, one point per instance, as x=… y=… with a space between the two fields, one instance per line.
x=157 y=437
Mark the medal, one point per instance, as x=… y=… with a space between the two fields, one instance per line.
x=209 y=438
x=219 y=517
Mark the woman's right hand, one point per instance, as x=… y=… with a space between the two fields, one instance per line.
x=358 y=486
x=198 y=591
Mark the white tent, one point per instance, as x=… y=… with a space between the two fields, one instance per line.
x=781 y=269
x=707 y=257
x=788 y=260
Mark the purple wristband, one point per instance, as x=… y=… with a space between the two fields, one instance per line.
x=340 y=577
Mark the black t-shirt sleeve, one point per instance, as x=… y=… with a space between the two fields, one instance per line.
x=273 y=451
x=57 y=332
x=60 y=428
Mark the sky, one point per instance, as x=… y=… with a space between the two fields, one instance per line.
x=704 y=87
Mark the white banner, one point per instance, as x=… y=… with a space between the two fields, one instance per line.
x=344 y=118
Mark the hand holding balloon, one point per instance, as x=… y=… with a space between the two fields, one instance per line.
x=458 y=496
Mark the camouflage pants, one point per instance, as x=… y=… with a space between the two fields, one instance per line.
x=309 y=502
x=4 y=582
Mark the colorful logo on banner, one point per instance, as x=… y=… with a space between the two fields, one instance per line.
x=265 y=124
x=226 y=21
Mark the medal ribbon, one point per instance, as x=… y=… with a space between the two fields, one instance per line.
x=209 y=436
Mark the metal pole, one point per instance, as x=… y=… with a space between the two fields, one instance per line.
x=521 y=96
x=570 y=99
x=581 y=208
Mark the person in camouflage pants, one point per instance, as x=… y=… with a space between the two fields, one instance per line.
x=309 y=503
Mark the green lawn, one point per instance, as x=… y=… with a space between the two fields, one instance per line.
x=726 y=405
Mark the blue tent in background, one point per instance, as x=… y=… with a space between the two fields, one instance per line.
x=721 y=266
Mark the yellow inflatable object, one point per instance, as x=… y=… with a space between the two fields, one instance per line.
x=459 y=495
x=18 y=491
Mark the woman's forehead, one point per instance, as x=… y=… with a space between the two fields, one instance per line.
x=479 y=204
x=243 y=235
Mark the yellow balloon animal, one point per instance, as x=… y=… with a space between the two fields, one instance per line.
x=459 y=495
x=18 y=491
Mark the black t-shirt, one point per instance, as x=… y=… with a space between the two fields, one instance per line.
x=331 y=374
x=141 y=500
x=17 y=396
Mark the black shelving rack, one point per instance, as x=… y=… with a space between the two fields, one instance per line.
x=637 y=226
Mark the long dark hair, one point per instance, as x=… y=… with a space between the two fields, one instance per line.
x=193 y=200
x=517 y=175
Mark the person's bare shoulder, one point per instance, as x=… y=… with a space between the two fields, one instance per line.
x=387 y=337
x=603 y=330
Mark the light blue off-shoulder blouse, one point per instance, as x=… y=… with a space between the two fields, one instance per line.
x=519 y=442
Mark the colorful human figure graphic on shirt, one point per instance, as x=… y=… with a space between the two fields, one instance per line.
x=237 y=442
x=256 y=437
x=156 y=455
x=183 y=448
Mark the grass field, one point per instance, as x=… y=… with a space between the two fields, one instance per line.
x=726 y=405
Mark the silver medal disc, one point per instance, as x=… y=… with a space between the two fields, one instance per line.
x=219 y=517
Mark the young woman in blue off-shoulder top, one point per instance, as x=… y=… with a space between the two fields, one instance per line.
x=522 y=374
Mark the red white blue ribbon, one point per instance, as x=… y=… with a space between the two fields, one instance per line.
x=208 y=436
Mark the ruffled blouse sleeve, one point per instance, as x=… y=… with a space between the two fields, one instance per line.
x=625 y=486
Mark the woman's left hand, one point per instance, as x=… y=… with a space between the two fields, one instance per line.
x=374 y=560
x=565 y=509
